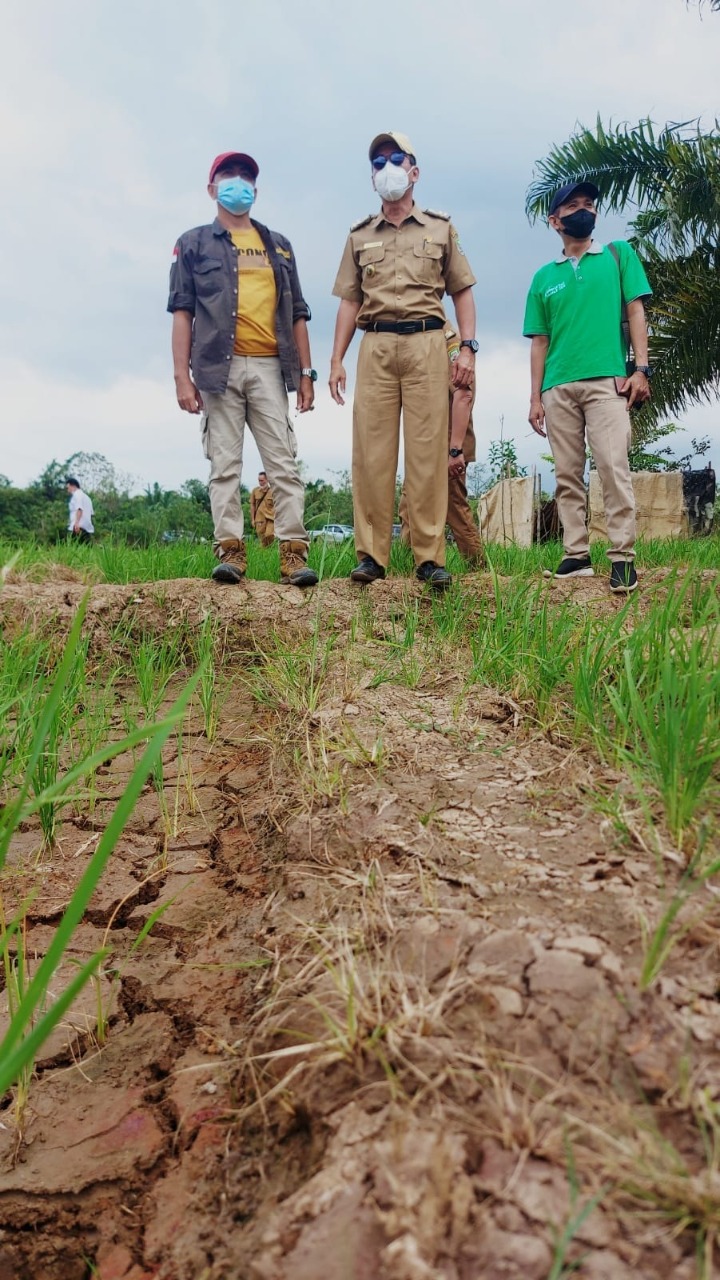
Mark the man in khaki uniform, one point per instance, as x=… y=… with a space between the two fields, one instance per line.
x=262 y=511
x=395 y=269
x=461 y=442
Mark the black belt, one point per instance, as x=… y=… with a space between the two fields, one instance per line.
x=405 y=326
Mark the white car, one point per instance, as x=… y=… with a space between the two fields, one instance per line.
x=333 y=532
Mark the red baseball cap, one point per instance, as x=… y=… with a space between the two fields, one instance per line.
x=241 y=158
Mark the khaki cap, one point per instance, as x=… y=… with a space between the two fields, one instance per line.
x=400 y=139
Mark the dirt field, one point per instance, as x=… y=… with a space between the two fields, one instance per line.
x=389 y=1026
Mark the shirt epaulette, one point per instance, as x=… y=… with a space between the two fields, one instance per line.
x=362 y=222
x=438 y=213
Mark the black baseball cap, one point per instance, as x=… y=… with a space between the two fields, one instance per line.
x=564 y=193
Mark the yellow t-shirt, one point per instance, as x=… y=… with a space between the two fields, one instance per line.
x=255 y=327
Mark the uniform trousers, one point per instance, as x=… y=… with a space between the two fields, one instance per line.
x=265 y=530
x=591 y=408
x=255 y=396
x=408 y=373
x=459 y=512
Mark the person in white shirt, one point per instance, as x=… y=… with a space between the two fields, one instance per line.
x=81 y=512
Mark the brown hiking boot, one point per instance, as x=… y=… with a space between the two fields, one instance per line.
x=293 y=565
x=233 y=561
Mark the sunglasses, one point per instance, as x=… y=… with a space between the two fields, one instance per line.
x=395 y=157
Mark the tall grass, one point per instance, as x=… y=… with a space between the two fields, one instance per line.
x=112 y=560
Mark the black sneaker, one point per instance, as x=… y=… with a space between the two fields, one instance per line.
x=623 y=578
x=368 y=570
x=434 y=575
x=580 y=567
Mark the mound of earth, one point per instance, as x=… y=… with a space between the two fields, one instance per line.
x=388 y=1024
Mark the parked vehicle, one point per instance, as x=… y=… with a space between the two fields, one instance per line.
x=333 y=532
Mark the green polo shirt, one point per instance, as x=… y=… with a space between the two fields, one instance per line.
x=576 y=303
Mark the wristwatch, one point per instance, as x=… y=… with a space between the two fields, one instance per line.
x=455 y=453
x=472 y=343
x=647 y=369
x=309 y=373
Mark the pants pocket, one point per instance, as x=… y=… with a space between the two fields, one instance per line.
x=204 y=424
x=292 y=439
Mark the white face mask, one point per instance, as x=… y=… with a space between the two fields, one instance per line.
x=392 y=182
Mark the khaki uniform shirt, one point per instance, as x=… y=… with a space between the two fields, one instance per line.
x=401 y=273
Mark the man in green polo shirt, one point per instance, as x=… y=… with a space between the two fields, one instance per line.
x=579 y=387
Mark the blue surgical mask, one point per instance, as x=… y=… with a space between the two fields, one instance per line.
x=236 y=195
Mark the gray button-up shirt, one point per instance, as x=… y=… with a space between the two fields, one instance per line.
x=204 y=281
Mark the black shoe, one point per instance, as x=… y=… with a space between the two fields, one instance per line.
x=301 y=577
x=434 y=575
x=581 y=567
x=368 y=570
x=227 y=572
x=623 y=578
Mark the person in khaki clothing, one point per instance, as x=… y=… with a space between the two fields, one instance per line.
x=395 y=269
x=461 y=443
x=262 y=511
x=240 y=343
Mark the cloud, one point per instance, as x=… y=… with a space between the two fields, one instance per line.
x=111 y=115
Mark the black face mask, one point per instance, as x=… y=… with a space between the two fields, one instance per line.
x=580 y=224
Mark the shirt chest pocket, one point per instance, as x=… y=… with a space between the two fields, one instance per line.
x=370 y=260
x=428 y=260
x=208 y=276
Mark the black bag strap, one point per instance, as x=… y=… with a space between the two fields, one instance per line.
x=624 y=322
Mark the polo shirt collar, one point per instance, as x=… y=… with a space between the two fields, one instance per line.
x=415 y=213
x=595 y=247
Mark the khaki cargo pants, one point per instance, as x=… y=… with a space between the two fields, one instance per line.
x=255 y=396
x=591 y=409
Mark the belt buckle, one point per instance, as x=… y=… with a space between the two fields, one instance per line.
x=407 y=326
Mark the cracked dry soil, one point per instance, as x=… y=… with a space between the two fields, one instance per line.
x=388 y=1026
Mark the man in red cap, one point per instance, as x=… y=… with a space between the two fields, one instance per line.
x=240 y=343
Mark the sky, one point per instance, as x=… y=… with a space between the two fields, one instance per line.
x=112 y=113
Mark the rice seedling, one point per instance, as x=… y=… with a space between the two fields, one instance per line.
x=103 y=1012
x=47 y=764
x=204 y=648
x=579 y=1213
x=155 y=661
x=15 y=967
x=292 y=679
x=525 y=648
x=669 y=718
x=658 y=943
x=34 y=1017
